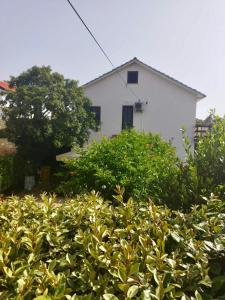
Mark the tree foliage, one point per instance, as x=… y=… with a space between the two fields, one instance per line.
x=46 y=114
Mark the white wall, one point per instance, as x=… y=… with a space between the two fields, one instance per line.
x=168 y=108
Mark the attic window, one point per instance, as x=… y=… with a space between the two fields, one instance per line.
x=132 y=77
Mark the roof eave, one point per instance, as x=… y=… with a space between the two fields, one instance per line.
x=198 y=94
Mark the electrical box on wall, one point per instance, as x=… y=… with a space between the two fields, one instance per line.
x=138 y=106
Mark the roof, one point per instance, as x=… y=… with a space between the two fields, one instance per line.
x=198 y=94
x=5 y=86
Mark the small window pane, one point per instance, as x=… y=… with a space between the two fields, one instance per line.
x=132 y=77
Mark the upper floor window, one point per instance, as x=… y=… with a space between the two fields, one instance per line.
x=97 y=115
x=132 y=77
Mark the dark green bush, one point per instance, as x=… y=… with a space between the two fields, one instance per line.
x=88 y=249
x=143 y=164
x=6 y=172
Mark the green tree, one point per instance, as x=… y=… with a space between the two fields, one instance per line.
x=47 y=114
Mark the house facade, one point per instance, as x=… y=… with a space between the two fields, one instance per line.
x=138 y=96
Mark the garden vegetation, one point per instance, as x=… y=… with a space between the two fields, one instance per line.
x=146 y=166
x=162 y=236
x=87 y=248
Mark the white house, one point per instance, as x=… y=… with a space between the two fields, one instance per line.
x=136 y=95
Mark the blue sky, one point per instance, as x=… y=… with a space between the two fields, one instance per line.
x=184 y=39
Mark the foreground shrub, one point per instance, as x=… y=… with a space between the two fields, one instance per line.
x=143 y=164
x=88 y=249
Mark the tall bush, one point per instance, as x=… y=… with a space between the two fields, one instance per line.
x=143 y=164
x=208 y=162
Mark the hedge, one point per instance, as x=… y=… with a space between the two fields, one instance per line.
x=87 y=248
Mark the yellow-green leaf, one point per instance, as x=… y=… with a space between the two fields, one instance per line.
x=132 y=291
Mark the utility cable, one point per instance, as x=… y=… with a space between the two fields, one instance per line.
x=101 y=48
x=104 y=53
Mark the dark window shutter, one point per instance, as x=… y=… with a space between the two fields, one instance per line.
x=97 y=112
x=127 y=117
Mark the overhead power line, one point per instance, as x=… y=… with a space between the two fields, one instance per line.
x=103 y=51
x=100 y=47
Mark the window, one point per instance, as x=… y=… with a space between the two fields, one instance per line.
x=132 y=77
x=127 y=117
x=97 y=114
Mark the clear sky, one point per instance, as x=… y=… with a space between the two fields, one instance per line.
x=184 y=39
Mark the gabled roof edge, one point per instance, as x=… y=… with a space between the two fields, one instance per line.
x=198 y=94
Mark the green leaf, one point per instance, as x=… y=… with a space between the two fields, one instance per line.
x=134 y=268
x=132 y=291
x=109 y=297
x=206 y=281
x=157 y=279
x=122 y=273
x=52 y=265
x=31 y=258
x=21 y=283
x=147 y=294
x=124 y=243
x=69 y=258
x=20 y=270
x=171 y=262
x=175 y=236
x=8 y=271
x=43 y=298
x=60 y=290
x=209 y=245
x=123 y=287
x=198 y=295
x=169 y=288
